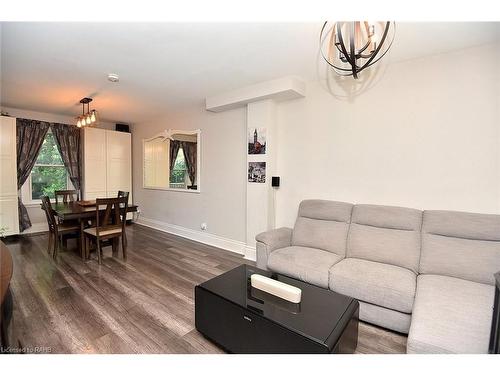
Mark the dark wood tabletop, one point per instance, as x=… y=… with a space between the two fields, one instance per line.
x=75 y=211
x=72 y=210
x=5 y=270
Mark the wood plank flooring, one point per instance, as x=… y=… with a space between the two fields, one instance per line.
x=143 y=305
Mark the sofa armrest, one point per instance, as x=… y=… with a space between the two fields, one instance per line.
x=270 y=241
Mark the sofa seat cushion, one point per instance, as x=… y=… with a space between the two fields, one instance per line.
x=380 y=284
x=304 y=263
x=451 y=315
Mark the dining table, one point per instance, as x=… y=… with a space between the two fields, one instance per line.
x=82 y=213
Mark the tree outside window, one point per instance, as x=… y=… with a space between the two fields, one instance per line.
x=179 y=172
x=49 y=173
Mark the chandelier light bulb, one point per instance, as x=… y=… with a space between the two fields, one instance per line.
x=87 y=120
x=78 y=123
x=371 y=28
x=92 y=116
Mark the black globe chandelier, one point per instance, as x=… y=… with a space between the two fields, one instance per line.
x=351 y=47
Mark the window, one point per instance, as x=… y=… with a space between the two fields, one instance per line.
x=178 y=174
x=48 y=174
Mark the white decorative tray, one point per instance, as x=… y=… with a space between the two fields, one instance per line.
x=277 y=288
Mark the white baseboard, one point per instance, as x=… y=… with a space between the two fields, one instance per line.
x=250 y=253
x=36 y=228
x=238 y=247
x=203 y=237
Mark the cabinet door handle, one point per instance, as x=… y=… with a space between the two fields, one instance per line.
x=247 y=318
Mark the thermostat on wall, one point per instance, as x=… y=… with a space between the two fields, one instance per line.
x=275 y=181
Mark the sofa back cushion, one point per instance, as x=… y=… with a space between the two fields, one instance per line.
x=385 y=234
x=323 y=225
x=461 y=244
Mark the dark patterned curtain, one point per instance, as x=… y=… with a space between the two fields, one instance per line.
x=68 y=143
x=174 y=150
x=190 y=150
x=30 y=136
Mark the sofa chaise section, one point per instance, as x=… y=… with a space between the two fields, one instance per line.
x=380 y=270
x=316 y=243
x=455 y=289
x=451 y=315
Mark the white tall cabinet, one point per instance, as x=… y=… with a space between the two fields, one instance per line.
x=107 y=163
x=9 y=216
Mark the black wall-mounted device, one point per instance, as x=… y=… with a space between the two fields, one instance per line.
x=122 y=128
x=275 y=181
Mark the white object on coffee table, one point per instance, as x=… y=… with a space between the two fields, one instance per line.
x=277 y=288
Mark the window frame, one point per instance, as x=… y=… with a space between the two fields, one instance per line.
x=27 y=188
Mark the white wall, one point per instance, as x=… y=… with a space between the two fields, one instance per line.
x=426 y=136
x=260 y=203
x=37 y=216
x=221 y=203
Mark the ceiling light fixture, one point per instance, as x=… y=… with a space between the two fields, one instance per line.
x=87 y=118
x=351 y=47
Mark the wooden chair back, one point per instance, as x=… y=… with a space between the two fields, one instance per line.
x=66 y=196
x=122 y=194
x=114 y=214
x=49 y=214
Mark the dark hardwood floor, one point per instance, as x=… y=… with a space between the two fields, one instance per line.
x=144 y=305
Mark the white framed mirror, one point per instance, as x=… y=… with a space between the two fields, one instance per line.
x=171 y=161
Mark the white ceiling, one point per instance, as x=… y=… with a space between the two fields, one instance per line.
x=49 y=67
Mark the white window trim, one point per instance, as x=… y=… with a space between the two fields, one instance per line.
x=26 y=189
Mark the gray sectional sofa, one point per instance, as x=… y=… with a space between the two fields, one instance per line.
x=425 y=273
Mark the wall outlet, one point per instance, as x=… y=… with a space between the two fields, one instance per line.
x=203 y=226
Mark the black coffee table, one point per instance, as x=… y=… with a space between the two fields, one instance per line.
x=242 y=319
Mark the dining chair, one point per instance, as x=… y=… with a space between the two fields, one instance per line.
x=126 y=194
x=57 y=230
x=122 y=193
x=110 y=225
x=66 y=196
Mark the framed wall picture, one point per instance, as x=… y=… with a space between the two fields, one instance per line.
x=257 y=171
x=256 y=141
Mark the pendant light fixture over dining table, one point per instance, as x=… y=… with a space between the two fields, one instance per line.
x=89 y=117
x=350 y=47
